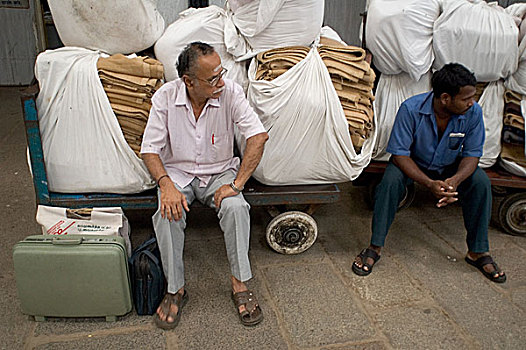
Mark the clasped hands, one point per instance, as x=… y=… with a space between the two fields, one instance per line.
x=445 y=191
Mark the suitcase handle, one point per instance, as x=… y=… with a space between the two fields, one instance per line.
x=66 y=241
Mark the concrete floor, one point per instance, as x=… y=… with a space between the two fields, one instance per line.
x=421 y=295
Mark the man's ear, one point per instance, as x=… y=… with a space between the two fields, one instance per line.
x=187 y=81
x=445 y=98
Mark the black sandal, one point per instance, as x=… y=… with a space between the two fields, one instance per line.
x=493 y=276
x=366 y=253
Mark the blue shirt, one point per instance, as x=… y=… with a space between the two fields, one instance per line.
x=415 y=134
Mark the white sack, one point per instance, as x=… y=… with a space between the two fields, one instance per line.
x=269 y=24
x=328 y=32
x=108 y=221
x=204 y=24
x=84 y=148
x=517 y=81
x=391 y=91
x=399 y=34
x=479 y=36
x=513 y=167
x=309 y=140
x=235 y=4
x=492 y=103
x=119 y=26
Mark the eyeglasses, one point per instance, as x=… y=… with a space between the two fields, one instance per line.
x=215 y=80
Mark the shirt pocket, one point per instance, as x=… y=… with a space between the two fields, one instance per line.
x=222 y=147
x=455 y=141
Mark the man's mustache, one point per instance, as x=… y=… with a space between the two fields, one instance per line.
x=219 y=90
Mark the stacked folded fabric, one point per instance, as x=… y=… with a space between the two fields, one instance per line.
x=351 y=75
x=353 y=80
x=479 y=90
x=129 y=84
x=513 y=129
x=273 y=63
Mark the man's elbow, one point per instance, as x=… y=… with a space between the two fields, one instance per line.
x=259 y=139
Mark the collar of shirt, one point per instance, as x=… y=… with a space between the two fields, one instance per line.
x=182 y=98
x=439 y=154
x=427 y=109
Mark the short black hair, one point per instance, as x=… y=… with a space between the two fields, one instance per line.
x=451 y=78
x=188 y=58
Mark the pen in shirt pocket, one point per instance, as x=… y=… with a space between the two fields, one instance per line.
x=213 y=138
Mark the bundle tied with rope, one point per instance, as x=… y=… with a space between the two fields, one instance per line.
x=513 y=129
x=351 y=76
x=130 y=84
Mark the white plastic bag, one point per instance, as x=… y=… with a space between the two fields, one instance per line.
x=399 y=34
x=269 y=24
x=203 y=24
x=84 y=148
x=391 y=91
x=109 y=221
x=119 y=26
x=309 y=140
x=479 y=36
x=517 y=81
x=492 y=105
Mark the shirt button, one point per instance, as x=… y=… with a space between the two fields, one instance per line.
x=198 y=136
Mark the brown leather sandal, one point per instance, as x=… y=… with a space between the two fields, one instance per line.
x=252 y=314
x=166 y=306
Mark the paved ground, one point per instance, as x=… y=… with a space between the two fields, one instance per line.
x=422 y=295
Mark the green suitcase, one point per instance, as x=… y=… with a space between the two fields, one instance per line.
x=72 y=276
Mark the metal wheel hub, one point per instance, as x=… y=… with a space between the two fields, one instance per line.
x=292 y=235
x=516 y=215
x=291 y=232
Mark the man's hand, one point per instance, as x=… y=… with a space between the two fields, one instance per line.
x=172 y=201
x=221 y=193
x=445 y=190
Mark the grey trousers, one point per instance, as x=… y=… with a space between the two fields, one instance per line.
x=234 y=220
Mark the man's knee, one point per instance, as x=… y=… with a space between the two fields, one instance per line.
x=480 y=181
x=234 y=204
x=393 y=179
x=164 y=226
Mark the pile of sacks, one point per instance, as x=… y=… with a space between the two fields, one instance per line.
x=351 y=76
x=130 y=84
x=83 y=144
x=311 y=108
x=410 y=38
x=513 y=129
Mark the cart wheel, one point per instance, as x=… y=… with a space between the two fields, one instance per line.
x=512 y=214
x=292 y=232
x=406 y=201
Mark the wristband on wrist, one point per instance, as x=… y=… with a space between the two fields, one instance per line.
x=235 y=189
x=160 y=178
